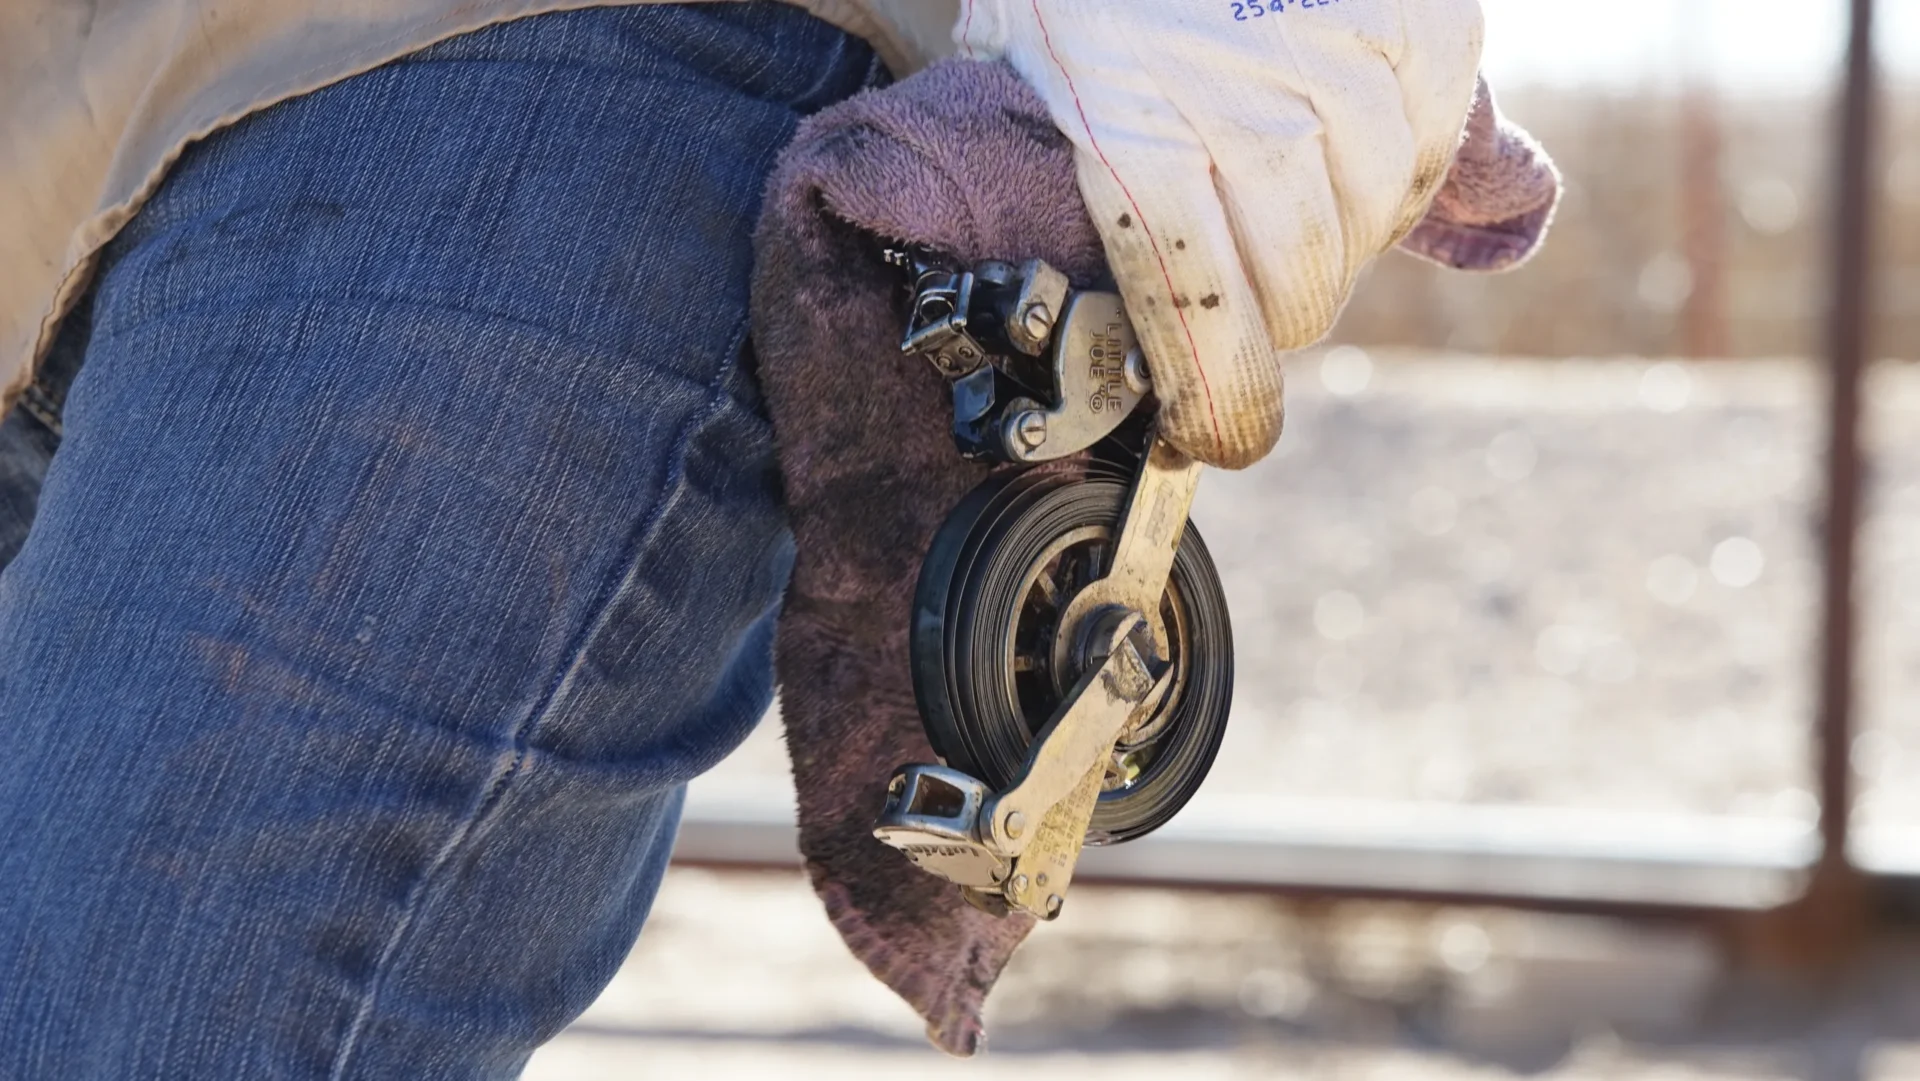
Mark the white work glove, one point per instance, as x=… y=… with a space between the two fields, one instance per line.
x=1243 y=160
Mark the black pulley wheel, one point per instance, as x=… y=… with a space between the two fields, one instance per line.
x=992 y=664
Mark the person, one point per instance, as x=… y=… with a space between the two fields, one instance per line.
x=390 y=522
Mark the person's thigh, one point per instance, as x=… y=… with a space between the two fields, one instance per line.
x=414 y=535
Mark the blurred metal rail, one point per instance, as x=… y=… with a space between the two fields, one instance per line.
x=1818 y=890
x=1535 y=857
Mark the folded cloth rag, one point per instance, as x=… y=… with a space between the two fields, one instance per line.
x=1498 y=200
x=961 y=159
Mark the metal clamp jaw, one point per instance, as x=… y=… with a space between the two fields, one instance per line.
x=1040 y=371
x=1016 y=850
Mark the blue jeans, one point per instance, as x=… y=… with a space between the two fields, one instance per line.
x=413 y=536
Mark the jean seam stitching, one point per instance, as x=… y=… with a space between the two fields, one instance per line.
x=40 y=405
x=499 y=789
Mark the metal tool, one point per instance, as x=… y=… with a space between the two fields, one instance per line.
x=1072 y=656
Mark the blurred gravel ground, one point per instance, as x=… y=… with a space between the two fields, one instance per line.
x=740 y=976
x=1580 y=582
x=1584 y=583
x=1588 y=583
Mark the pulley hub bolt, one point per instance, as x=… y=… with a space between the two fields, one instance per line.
x=1031 y=429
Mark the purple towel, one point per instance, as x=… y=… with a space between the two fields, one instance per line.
x=1498 y=200
x=962 y=159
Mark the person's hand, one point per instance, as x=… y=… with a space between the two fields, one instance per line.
x=1243 y=160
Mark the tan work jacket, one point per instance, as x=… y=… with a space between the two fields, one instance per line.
x=98 y=98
